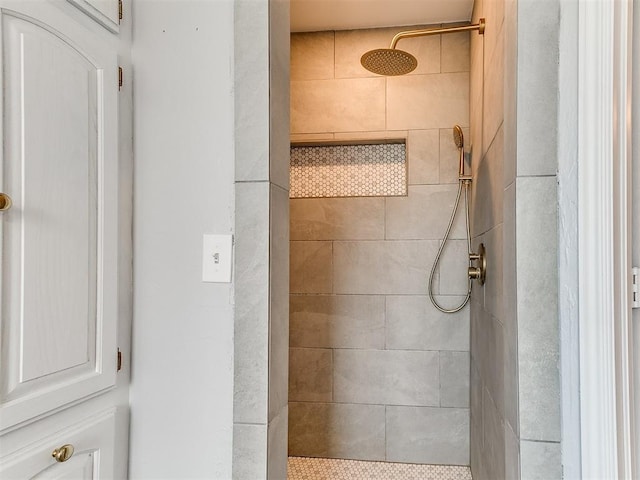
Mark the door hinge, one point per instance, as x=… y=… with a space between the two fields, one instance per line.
x=635 y=287
x=119 y=10
x=120 y=78
x=119 y=360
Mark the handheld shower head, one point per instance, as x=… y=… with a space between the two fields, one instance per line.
x=458 y=136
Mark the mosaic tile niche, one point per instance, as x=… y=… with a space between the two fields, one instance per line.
x=363 y=170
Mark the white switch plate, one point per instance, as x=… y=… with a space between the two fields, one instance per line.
x=217 y=251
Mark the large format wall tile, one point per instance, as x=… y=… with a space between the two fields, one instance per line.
x=428 y=435
x=312 y=56
x=337 y=321
x=386 y=377
x=398 y=267
x=510 y=303
x=352 y=44
x=311 y=137
x=311 y=267
x=414 y=324
x=493 y=287
x=510 y=90
x=454 y=379
x=251 y=331
x=494 y=14
x=476 y=87
x=279 y=94
x=424 y=157
x=249 y=451
x=475 y=403
x=348 y=105
x=337 y=430
x=423 y=214
x=310 y=376
x=251 y=86
x=428 y=101
x=366 y=136
x=277 y=451
x=541 y=460
x=487 y=193
x=493 y=438
x=455 y=52
x=278 y=300
x=512 y=453
x=450 y=156
x=493 y=111
x=491 y=357
x=538 y=30
x=477 y=459
x=538 y=329
x=453 y=268
x=337 y=218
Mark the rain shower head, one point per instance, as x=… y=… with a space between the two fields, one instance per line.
x=391 y=61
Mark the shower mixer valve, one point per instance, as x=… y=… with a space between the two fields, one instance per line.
x=478 y=272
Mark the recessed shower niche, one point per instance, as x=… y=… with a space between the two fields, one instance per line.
x=348 y=170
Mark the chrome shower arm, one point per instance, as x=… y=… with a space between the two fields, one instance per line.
x=436 y=31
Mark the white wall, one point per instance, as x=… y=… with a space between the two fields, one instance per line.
x=568 y=258
x=182 y=359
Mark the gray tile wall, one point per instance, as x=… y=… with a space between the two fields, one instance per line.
x=261 y=352
x=514 y=333
x=376 y=372
x=491 y=353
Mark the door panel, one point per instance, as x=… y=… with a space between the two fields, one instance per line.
x=56 y=278
x=59 y=165
x=78 y=467
x=93 y=458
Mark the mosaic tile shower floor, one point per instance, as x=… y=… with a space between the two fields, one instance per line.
x=302 y=468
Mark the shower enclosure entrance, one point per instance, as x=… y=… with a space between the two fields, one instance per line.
x=376 y=371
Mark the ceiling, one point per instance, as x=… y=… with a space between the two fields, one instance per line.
x=317 y=15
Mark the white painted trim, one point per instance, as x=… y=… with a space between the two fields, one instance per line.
x=603 y=218
x=110 y=23
x=595 y=240
x=622 y=241
x=635 y=235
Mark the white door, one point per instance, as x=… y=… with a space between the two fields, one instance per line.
x=58 y=164
x=85 y=452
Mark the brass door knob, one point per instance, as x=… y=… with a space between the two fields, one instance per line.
x=63 y=453
x=5 y=202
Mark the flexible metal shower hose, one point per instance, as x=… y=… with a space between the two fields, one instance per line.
x=461 y=184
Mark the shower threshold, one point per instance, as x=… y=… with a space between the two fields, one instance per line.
x=304 y=468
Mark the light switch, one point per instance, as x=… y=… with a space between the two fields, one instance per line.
x=217 y=251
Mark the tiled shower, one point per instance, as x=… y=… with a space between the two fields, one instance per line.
x=374 y=391
x=376 y=372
